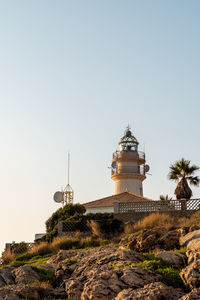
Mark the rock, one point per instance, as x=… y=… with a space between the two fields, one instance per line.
x=152 y=291
x=21 y=291
x=170 y=240
x=62 y=273
x=172 y=258
x=194 y=295
x=184 y=240
x=191 y=275
x=193 y=250
x=106 y=284
x=156 y=238
x=193 y=228
x=7 y=276
x=61 y=256
x=25 y=274
x=7 y=294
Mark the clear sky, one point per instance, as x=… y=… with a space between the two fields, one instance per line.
x=73 y=74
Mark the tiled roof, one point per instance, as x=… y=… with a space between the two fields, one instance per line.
x=123 y=197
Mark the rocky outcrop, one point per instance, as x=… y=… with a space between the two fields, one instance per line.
x=172 y=258
x=103 y=273
x=156 y=238
x=191 y=275
x=106 y=284
x=99 y=273
x=152 y=291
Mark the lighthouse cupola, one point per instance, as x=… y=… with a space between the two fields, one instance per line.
x=128 y=165
x=128 y=142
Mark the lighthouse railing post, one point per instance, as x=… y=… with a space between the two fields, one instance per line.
x=116 y=207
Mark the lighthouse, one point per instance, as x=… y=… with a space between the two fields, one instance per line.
x=128 y=166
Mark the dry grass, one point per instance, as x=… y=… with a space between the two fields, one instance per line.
x=64 y=243
x=128 y=229
x=195 y=219
x=7 y=257
x=41 y=249
x=42 y=284
x=154 y=220
x=94 y=226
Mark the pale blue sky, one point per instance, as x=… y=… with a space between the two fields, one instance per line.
x=73 y=74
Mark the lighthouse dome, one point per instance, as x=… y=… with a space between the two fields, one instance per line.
x=128 y=142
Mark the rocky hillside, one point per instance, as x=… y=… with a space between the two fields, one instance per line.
x=143 y=266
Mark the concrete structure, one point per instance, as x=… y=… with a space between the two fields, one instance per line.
x=128 y=166
x=107 y=204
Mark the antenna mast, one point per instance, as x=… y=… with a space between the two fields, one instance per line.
x=68 y=191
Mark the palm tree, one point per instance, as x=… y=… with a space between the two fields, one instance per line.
x=182 y=172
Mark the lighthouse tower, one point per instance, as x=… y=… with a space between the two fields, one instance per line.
x=128 y=166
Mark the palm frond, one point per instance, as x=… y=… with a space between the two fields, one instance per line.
x=194 y=180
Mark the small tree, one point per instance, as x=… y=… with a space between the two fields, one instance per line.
x=62 y=214
x=182 y=172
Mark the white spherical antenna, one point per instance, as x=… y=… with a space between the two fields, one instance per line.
x=58 y=197
x=147 y=168
x=114 y=165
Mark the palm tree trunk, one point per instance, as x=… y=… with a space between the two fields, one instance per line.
x=183 y=191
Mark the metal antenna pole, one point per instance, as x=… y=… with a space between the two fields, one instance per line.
x=68 y=165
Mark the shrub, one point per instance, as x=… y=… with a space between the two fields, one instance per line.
x=170 y=276
x=62 y=214
x=45 y=275
x=7 y=257
x=154 y=220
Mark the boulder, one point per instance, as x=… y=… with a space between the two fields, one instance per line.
x=193 y=250
x=156 y=238
x=152 y=291
x=25 y=274
x=6 y=275
x=191 y=275
x=172 y=258
x=184 y=240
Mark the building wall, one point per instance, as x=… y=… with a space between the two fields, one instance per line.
x=95 y=210
x=129 y=185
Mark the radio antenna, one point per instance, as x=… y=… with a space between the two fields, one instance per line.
x=68 y=168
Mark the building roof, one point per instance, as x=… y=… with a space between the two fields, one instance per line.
x=108 y=201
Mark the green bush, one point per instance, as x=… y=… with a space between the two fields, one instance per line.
x=170 y=276
x=45 y=275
